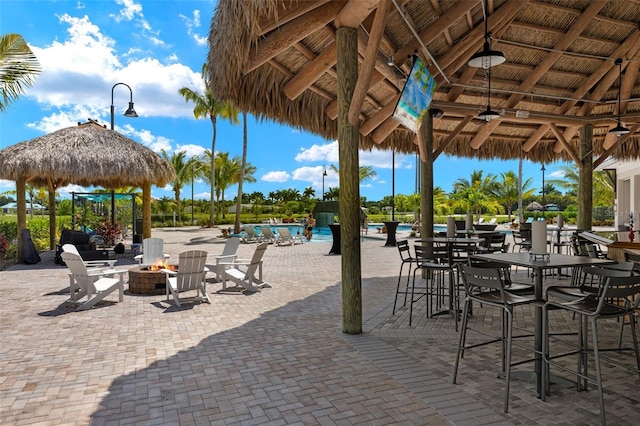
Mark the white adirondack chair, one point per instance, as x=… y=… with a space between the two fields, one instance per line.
x=247 y=278
x=92 y=283
x=228 y=256
x=190 y=276
x=152 y=252
x=106 y=263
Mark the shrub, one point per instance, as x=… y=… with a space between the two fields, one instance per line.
x=4 y=245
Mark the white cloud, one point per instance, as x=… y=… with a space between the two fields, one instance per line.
x=192 y=25
x=557 y=174
x=275 y=176
x=190 y=149
x=7 y=184
x=327 y=152
x=202 y=196
x=313 y=175
x=129 y=10
x=80 y=73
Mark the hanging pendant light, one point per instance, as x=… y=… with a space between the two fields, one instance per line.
x=487 y=58
x=619 y=130
x=489 y=114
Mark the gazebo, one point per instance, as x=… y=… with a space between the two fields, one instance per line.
x=541 y=80
x=88 y=154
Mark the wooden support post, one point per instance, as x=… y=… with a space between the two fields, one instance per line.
x=585 y=177
x=348 y=138
x=425 y=139
x=21 y=201
x=146 y=210
x=52 y=215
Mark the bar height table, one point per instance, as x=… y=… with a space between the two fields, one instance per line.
x=527 y=261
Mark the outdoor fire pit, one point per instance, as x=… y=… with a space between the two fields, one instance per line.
x=143 y=280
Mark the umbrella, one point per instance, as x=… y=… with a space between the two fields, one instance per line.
x=88 y=154
x=535 y=206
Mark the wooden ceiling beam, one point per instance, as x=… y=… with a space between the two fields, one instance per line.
x=286 y=13
x=286 y=72
x=451 y=136
x=384 y=130
x=547 y=62
x=566 y=145
x=311 y=72
x=455 y=12
x=471 y=43
x=291 y=33
x=602 y=87
x=368 y=65
x=587 y=86
x=354 y=12
x=614 y=147
x=375 y=120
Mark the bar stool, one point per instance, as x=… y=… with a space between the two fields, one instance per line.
x=626 y=290
x=406 y=258
x=434 y=263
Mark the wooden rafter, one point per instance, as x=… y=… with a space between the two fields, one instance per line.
x=291 y=33
x=451 y=137
x=367 y=68
x=286 y=13
x=614 y=147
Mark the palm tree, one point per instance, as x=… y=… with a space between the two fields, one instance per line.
x=207 y=106
x=474 y=195
x=364 y=172
x=236 y=224
x=507 y=190
x=603 y=193
x=184 y=169
x=17 y=70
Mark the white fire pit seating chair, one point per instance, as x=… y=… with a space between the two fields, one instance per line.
x=247 y=278
x=190 y=276
x=228 y=256
x=152 y=252
x=104 y=264
x=92 y=283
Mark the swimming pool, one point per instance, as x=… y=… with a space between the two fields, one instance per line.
x=323 y=235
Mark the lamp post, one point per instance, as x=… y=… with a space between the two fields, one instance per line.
x=324 y=174
x=130 y=112
x=543 y=191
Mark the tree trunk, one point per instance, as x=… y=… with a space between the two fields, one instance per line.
x=236 y=226
x=425 y=139
x=212 y=207
x=21 y=202
x=520 y=212
x=146 y=210
x=348 y=140
x=52 y=215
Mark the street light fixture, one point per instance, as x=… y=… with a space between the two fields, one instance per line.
x=544 y=204
x=324 y=174
x=129 y=113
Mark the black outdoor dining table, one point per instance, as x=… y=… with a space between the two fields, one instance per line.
x=539 y=264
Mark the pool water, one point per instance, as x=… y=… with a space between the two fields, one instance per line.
x=323 y=235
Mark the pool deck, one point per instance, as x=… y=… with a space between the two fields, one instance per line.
x=275 y=357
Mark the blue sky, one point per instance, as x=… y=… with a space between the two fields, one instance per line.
x=157 y=47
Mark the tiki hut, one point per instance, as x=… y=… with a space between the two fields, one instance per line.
x=568 y=75
x=88 y=154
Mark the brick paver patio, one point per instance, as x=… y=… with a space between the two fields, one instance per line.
x=275 y=357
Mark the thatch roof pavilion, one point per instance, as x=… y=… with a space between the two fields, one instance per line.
x=337 y=68
x=88 y=154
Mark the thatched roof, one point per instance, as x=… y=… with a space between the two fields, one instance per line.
x=88 y=154
x=276 y=59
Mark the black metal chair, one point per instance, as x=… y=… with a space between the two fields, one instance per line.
x=435 y=263
x=619 y=297
x=406 y=258
x=487 y=286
